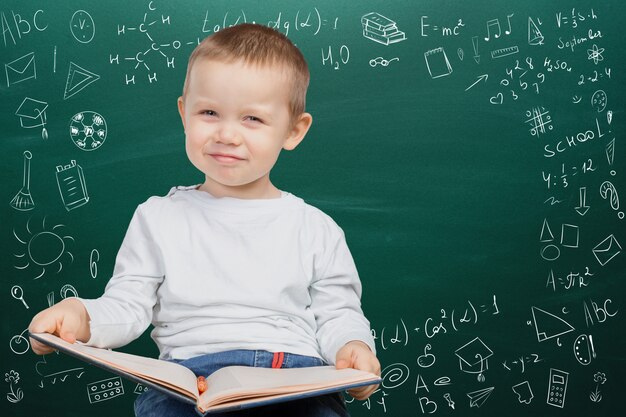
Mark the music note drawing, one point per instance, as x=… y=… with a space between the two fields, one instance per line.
x=508 y=19
x=493 y=23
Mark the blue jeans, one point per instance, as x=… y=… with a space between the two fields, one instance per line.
x=155 y=404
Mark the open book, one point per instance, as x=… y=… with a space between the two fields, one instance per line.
x=230 y=388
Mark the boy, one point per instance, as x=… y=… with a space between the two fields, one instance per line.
x=233 y=271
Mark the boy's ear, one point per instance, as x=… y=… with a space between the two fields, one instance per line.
x=298 y=131
x=181 y=110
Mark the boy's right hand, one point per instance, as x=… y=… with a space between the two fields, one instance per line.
x=68 y=319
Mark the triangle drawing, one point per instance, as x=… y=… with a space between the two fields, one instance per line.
x=77 y=79
x=535 y=37
x=549 y=326
x=546 y=233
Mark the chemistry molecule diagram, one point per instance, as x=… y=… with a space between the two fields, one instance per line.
x=156 y=54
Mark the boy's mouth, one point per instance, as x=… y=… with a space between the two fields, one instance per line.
x=225 y=158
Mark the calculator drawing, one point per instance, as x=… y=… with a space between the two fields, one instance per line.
x=557 y=387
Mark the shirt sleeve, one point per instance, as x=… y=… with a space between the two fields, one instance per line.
x=124 y=311
x=336 y=297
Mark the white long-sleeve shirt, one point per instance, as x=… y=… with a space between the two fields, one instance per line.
x=215 y=274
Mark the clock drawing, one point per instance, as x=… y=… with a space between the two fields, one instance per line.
x=82 y=26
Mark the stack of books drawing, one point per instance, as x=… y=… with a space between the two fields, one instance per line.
x=381 y=29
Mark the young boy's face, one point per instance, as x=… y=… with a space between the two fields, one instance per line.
x=237 y=120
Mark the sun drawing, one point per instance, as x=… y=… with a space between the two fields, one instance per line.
x=43 y=249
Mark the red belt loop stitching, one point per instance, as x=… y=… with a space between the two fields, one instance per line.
x=277 y=360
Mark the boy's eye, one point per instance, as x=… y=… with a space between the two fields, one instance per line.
x=208 y=113
x=253 y=119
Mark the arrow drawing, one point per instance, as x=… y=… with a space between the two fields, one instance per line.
x=480 y=78
x=582 y=206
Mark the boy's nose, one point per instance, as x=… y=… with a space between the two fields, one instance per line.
x=228 y=134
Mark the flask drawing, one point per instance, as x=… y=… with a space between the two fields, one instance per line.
x=23 y=201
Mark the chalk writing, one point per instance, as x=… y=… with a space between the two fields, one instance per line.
x=574 y=18
x=399 y=336
x=94 y=258
x=574 y=140
x=162 y=49
x=308 y=21
x=342 y=56
x=521 y=362
x=599 y=313
x=570 y=280
x=428 y=28
x=18 y=26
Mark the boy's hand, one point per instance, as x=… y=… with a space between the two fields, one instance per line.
x=357 y=355
x=68 y=319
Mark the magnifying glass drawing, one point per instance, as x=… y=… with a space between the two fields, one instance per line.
x=18 y=294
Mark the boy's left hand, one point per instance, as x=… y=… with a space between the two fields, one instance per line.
x=357 y=355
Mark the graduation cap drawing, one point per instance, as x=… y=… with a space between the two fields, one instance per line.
x=473 y=358
x=32 y=113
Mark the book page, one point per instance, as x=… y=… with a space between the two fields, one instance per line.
x=241 y=382
x=165 y=373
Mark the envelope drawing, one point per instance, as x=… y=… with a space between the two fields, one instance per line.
x=606 y=250
x=21 y=69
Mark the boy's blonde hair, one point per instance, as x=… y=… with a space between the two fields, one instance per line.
x=257 y=45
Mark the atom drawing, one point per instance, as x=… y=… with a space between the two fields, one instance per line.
x=595 y=54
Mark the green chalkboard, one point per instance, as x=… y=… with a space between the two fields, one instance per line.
x=472 y=151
